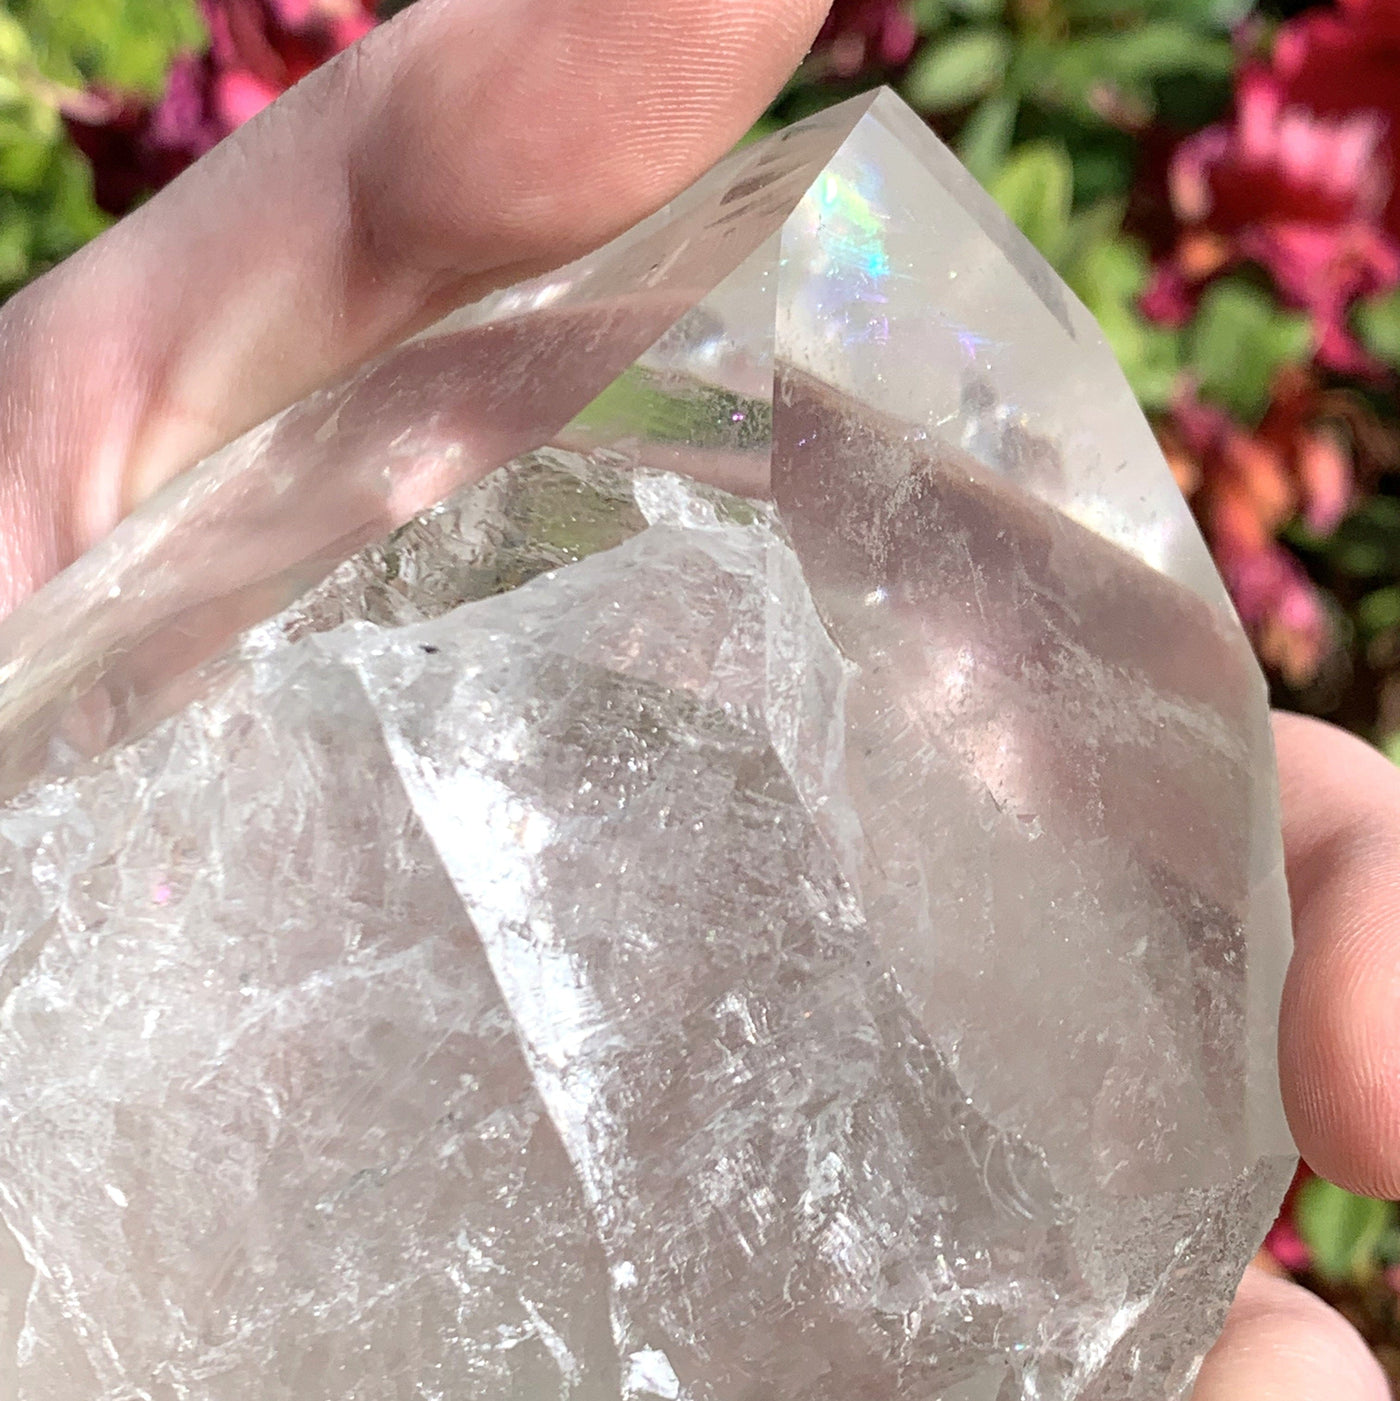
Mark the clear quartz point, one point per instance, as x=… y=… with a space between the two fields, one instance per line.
x=773 y=895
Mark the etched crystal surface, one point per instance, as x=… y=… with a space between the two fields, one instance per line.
x=811 y=936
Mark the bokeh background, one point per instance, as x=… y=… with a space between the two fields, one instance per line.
x=1219 y=180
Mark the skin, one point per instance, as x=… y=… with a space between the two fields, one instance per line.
x=460 y=146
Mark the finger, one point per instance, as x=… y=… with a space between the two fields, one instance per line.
x=1283 y=1344
x=1340 y=1029
x=459 y=145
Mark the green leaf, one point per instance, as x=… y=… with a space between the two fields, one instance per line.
x=32 y=147
x=1091 y=226
x=929 y=16
x=979 y=9
x=1379 y=610
x=25 y=156
x=1238 y=342
x=956 y=71
x=1104 y=159
x=639 y=403
x=765 y=126
x=127 y=43
x=1365 y=546
x=1090 y=74
x=1166 y=47
x=14 y=244
x=1377 y=322
x=1205 y=14
x=985 y=139
x=1109 y=277
x=1036 y=189
x=1343 y=1231
x=1138 y=57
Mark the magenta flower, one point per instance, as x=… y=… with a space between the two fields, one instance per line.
x=261 y=47
x=861 y=34
x=1286 y=1246
x=1283 y=1243
x=1244 y=485
x=1341 y=60
x=257 y=49
x=1302 y=195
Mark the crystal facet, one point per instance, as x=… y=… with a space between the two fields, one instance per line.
x=810 y=935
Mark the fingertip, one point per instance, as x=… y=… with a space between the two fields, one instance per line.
x=1339 y=1061
x=1282 y=1343
x=460 y=146
x=587 y=115
x=1339 y=1049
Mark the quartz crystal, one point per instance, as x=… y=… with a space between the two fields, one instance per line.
x=773 y=895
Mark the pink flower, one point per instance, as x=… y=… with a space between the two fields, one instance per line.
x=261 y=47
x=1283 y=1242
x=257 y=49
x=1244 y=485
x=134 y=147
x=1338 y=61
x=860 y=34
x=1301 y=194
x=1279 y=607
x=1286 y=1246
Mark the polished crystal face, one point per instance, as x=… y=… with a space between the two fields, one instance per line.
x=775 y=894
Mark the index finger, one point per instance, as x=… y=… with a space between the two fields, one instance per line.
x=1340 y=1028
x=457 y=147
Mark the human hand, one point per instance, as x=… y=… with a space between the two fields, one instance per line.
x=461 y=146
x=1339 y=1052
x=458 y=147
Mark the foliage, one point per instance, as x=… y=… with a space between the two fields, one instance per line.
x=126 y=44
x=49 y=54
x=1346 y=1236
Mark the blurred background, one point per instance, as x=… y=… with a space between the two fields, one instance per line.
x=1219 y=180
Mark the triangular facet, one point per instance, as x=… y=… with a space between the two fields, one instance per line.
x=907 y=289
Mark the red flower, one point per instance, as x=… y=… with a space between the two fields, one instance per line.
x=261 y=47
x=257 y=49
x=1286 y=1246
x=1338 y=62
x=1283 y=1243
x=134 y=147
x=861 y=34
x=1279 y=606
x=1301 y=193
x=1244 y=486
